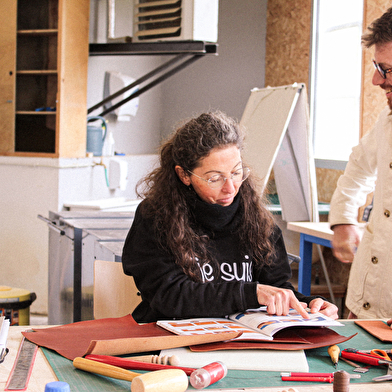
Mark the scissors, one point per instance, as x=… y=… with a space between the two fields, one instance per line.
x=380 y=353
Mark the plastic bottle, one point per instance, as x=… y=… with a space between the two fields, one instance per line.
x=57 y=386
x=207 y=375
x=110 y=144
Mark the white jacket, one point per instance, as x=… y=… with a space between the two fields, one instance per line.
x=369 y=293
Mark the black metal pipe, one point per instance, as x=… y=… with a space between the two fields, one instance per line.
x=152 y=84
x=138 y=81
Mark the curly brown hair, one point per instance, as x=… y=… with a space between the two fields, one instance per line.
x=380 y=31
x=165 y=193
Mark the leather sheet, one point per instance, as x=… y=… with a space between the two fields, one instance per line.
x=123 y=335
x=376 y=328
x=113 y=336
x=288 y=339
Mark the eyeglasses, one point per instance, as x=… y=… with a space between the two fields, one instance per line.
x=383 y=72
x=218 y=180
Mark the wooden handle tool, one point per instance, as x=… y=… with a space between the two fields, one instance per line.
x=129 y=363
x=172 y=360
x=334 y=352
x=171 y=380
x=104 y=369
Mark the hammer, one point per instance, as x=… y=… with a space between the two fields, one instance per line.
x=199 y=378
x=169 y=380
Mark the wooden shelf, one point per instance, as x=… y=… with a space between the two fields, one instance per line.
x=39 y=59
x=38 y=72
x=36 y=113
x=39 y=32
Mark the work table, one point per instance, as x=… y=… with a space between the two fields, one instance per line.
x=42 y=373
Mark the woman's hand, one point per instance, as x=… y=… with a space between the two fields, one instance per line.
x=280 y=301
x=324 y=307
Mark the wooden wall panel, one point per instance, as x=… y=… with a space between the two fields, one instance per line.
x=373 y=98
x=288 y=42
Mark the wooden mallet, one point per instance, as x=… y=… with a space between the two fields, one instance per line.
x=170 y=380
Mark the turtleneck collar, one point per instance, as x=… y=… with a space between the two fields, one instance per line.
x=214 y=216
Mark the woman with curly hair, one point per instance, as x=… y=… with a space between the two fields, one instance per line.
x=202 y=244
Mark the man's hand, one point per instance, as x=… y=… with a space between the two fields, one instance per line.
x=279 y=301
x=345 y=241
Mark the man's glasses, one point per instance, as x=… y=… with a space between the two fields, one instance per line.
x=218 y=180
x=383 y=72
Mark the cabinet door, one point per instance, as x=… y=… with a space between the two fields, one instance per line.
x=7 y=75
x=73 y=65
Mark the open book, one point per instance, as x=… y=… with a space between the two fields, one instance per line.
x=254 y=324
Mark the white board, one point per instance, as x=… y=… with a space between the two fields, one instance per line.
x=278 y=136
x=266 y=360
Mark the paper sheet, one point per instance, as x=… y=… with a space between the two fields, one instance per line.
x=4 y=327
x=266 y=360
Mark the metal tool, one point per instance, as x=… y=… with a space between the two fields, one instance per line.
x=370 y=359
x=358 y=368
x=23 y=365
x=387 y=377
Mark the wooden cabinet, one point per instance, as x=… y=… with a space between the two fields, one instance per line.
x=43 y=80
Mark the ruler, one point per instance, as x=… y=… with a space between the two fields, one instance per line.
x=23 y=365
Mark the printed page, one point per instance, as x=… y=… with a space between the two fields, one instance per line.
x=260 y=320
x=210 y=325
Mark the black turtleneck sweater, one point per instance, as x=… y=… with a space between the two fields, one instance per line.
x=168 y=293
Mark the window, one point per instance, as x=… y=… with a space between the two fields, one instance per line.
x=336 y=78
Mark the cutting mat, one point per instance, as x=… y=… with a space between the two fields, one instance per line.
x=79 y=380
x=318 y=359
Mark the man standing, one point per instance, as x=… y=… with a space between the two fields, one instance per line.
x=369 y=169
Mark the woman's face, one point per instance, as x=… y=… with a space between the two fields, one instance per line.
x=224 y=161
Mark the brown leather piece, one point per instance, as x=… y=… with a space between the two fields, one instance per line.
x=117 y=336
x=113 y=336
x=288 y=339
x=376 y=328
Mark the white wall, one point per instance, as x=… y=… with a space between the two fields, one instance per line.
x=222 y=82
x=25 y=192
x=32 y=186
